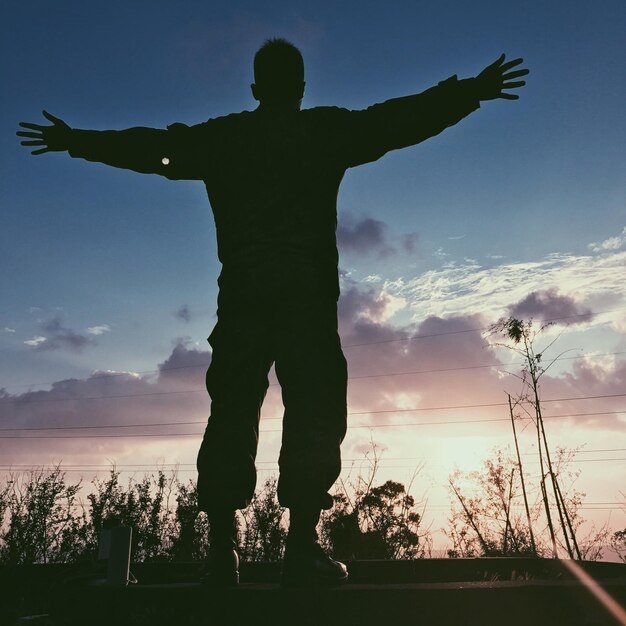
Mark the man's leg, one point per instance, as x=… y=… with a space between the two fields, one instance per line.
x=312 y=371
x=237 y=383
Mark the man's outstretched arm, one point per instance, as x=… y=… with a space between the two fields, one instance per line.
x=408 y=120
x=144 y=150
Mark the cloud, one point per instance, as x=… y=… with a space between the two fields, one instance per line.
x=363 y=236
x=440 y=361
x=185 y=364
x=99 y=330
x=183 y=313
x=35 y=341
x=157 y=401
x=6 y=329
x=437 y=349
x=549 y=304
x=437 y=358
x=107 y=398
x=373 y=304
x=461 y=288
x=409 y=242
x=59 y=337
x=372 y=278
x=369 y=236
x=610 y=244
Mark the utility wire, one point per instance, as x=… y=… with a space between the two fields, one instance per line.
x=259 y=469
x=430 y=371
x=278 y=430
x=472 y=367
x=264 y=419
x=186 y=391
x=258 y=461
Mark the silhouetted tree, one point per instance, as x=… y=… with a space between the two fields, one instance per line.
x=487 y=517
x=188 y=532
x=144 y=506
x=44 y=521
x=263 y=530
x=618 y=543
x=484 y=521
x=374 y=522
x=43 y=525
x=618 y=538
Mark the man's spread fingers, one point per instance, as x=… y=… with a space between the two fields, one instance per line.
x=51 y=117
x=515 y=74
x=33 y=143
x=519 y=83
x=497 y=62
x=21 y=133
x=33 y=126
x=40 y=151
x=509 y=96
x=510 y=64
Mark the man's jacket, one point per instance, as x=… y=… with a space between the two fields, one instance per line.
x=272 y=176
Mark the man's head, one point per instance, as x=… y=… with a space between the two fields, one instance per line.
x=278 y=73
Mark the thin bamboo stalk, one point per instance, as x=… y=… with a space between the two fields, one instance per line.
x=521 y=475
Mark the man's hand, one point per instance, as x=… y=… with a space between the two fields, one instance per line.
x=53 y=138
x=491 y=82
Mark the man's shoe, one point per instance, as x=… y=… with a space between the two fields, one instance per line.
x=308 y=565
x=221 y=567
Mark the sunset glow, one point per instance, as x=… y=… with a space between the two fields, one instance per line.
x=109 y=277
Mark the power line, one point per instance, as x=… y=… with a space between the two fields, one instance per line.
x=489 y=405
x=273 y=468
x=592 y=460
x=278 y=430
x=473 y=367
x=613 y=505
x=261 y=461
x=528 y=462
x=193 y=422
x=82 y=398
x=430 y=371
x=608 y=505
x=497 y=419
x=203 y=390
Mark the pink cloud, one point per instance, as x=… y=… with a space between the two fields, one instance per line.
x=550 y=304
x=413 y=354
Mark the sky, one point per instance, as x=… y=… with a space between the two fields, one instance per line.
x=108 y=277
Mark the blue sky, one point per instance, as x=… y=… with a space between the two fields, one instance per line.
x=113 y=268
x=518 y=179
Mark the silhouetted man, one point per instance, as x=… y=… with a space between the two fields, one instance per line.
x=272 y=176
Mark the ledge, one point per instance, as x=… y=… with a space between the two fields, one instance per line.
x=446 y=592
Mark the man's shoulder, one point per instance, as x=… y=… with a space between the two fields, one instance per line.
x=233 y=119
x=230 y=118
x=212 y=123
x=313 y=112
x=328 y=112
x=330 y=118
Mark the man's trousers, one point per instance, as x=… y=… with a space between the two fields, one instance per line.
x=301 y=338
